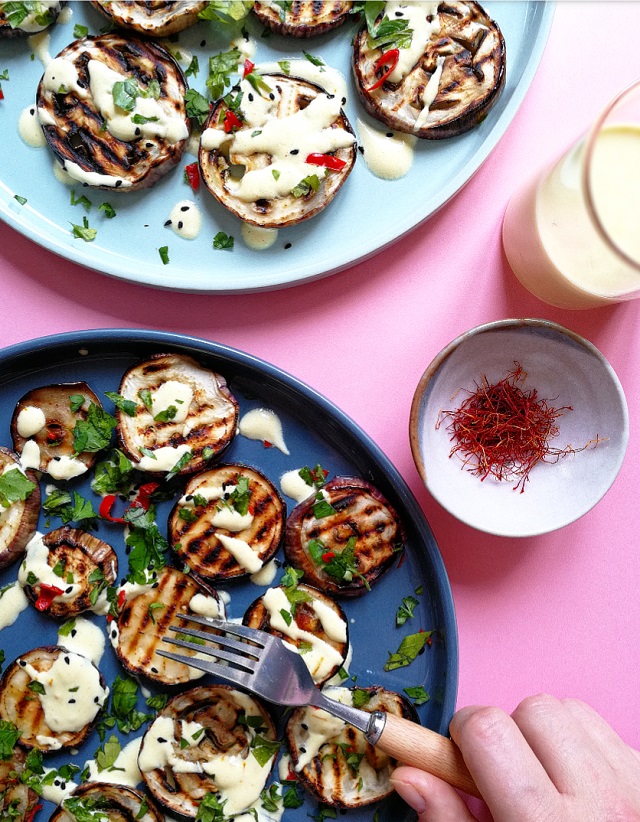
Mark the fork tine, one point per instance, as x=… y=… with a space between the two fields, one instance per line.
x=221 y=671
x=217 y=639
x=242 y=662
x=259 y=637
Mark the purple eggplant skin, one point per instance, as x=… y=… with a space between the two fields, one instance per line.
x=18 y=523
x=8 y=32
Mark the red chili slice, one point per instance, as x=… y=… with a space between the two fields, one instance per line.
x=267 y=444
x=328 y=556
x=248 y=68
x=193 y=175
x=326 y=160
x=231 y=121
x=105 y=509
x=38 y=807
x=390 y=59
x=122 y=598
x=144 y=493
x=46 y=596
x=1 y=94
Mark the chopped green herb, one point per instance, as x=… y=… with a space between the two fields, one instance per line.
x=187 y=514
x=193 y=68
x=257 y=82
x=286 y=615
x=16 y=13
x=9 y=735
x=207 y=451
x=322 y=507
x=36 y=687
x=124 y=94
x=197 y=106
x=340 y=565
x=167 y=414
x=94 y=433
x=58 y=568
x=70 y=507
x=185 y=459
x=405 y=611
x=360 y=698
x=285 y=66
x=76 y=401
x=84 y=232
x=221 y=66
x=315 y=477
x=291 y=797
x=315 y=61
x=417 y=694
x=14 y=486
x=157 y=701
x=222 y=240
x=128 y=406
x=5 y=75
x=388 y=33
x=154 y=606
x=210 y=809
x=113 y=475
x=263 y=749
x=284 y=6
x=275 y=173
x=305 y=186
x=146 y=398
x=108 y=209
x=226 y=11
x=163 y=251
x=80 y=31
x=21 y=200
x=106 y=755
x=419 y=591
x=141 y=120
x=409 y=649
x=67 y=627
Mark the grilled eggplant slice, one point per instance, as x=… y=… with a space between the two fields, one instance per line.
x=156 y=18
x=17 y=800
x=303 y=18
x=229 y=522
x=315 y=625
x=42 y=428
x=182 y=408
x=18 y=517
x=145 y=618
x=351 y=545
x=260 y=172
x=53 y=696
x=112 y=111
x=449 y=78
x=72 y=561
x=116 y=803
x=333 y=760
x=208 y=740
x=18 y=20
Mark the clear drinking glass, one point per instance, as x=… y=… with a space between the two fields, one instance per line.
x=572 y=234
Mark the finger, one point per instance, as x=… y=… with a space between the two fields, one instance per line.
x=433 y=799
x=559 y=740
x=509 y=775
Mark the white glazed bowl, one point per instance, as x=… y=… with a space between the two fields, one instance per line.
x=567 y=370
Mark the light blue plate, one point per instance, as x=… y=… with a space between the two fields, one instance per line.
x=315 y=431
x=367 y=215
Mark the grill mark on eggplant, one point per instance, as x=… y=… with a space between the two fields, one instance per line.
x=151 y=19
x=123 y=804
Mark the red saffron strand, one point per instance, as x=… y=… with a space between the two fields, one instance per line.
x=501 y=430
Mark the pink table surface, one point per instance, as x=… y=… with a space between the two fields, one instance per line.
x=557 y=613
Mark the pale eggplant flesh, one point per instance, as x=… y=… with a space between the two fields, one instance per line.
x=346 y=771
x=78 y=555
x=77 y=131
x=196 y=536
x=362 y=521
x=118 y=803
x=154 y=18
x=303 y=18
x=18 y=522
x=473 y=75
x=17 y=800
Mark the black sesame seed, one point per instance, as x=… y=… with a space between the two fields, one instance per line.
x=22 y=663
x=203 y=43
x=185 y=208
x=295 y=151
x=398 y=14
x=189 y=497
x=137 y=132
x=361 y=149
x=123 y=581
x=73 y=632
x=118 y=183
x=168 y=222
x=96 y=699
x=71 y=701
x=154 y=670
x=272 y=96
x=127 y=549
x=161 y=740
x=69 y=589
x=330 y=96
x=250 y=96
x=123 y=498
x=149 y=145
x=114 y=633
x=287 y=245
x=180 y=225
x=85 y=185
x=344 y=101
x=302 y=750
x=304 y=726
x=32 y=111
x=63 y=785
x=155 y=584
x=389 y=134
x=67 y=660
x=56 y=459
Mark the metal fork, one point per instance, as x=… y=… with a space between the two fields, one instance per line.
x=267 y=666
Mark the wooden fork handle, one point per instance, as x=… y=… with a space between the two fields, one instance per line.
x=423 y=748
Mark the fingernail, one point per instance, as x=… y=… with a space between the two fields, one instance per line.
x=410 y=795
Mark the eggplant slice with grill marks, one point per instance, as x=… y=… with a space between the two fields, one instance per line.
x=260 y=170
x=315 y=625
x=208 y=740
x=19 y=20
x=346 y=547
x=182 y=409
x=115 y=803
x=53 y=696
x=333 y=760
x=157 y=18
x=112 y=110
x=17 y=800
x=446 y=82
x=18 y=516
x=145 y=618
x=228 y=523
x=303 y=18
x=77 y=563
x=42 y=428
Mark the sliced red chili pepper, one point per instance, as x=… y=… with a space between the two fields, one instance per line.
x=39 y=806
x=46 y=596
x=390 y=59
x=267 y=444
x=143 y=500
x=1 y=94
x=248 y=68
x=326 y=160
x=110 y=617
x=193 y=175
x=122 y=598
x=231 y=121
x=328 y=556
x=105 y=509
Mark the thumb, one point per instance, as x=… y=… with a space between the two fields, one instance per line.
x=433 y=799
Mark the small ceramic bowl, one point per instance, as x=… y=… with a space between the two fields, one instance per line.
x=566 y=370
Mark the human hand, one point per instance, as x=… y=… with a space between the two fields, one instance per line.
x=552 y=760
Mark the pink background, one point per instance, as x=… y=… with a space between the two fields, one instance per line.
x=557 y=613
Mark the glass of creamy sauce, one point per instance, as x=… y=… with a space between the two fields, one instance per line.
x=571 y=234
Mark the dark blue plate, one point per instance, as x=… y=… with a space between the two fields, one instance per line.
x=314 y=431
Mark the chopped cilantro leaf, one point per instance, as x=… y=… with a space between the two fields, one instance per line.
x=80 y=31
x=197 y=106
x=409 y=649
x=108 y=209
x=222 y=240
x=417 y=694
x=93 y=433
x=84 y=232
x=405 y=610
x=221 y=66
x=21 y=200
x=14 y=486
x=163 y=251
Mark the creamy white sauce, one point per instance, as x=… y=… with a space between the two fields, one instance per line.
x=246 y=46
x=207 y=492
x=36 y=561
x=65 y=15
x=228 y=518
x=266 y=574
x=114 y=634
x=429 y=94
x=61 y=175
x=263 y=424
x=206 y=606
x=31 y=133
x=423 y=30
x=185 y=220
x=258 y=238
x=242 y=552
x=85 y=638
x=30 y=456
x=30 y=22
x=61 y=74
x=93 y=178
x=193 y=143
x=59 y=789
x=388 y=157
x=294 y=486
x=213 y=138
x=12 y=603
x=322 y=657
x=164 y=458
x=40 y=46
x=72 y=694
x=124 y=771
x=31 y=418
x=64 y=468
x=321 y=729
x=330 y=79
x=172 y=393
x=336 y=679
